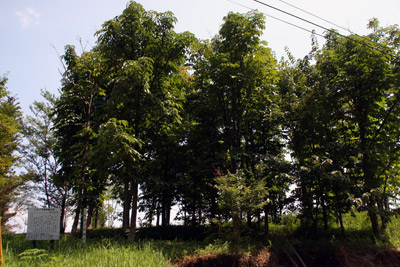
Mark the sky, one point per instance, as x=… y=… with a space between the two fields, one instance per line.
x=34 y=32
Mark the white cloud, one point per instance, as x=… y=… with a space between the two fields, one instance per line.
x=28 y=16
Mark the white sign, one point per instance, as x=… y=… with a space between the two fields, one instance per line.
x=43 y=224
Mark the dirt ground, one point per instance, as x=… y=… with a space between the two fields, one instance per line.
x=310 y=258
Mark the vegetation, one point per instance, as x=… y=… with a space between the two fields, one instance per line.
x=109 y=247
x=19 y=252
x=10 y=117
x=160 y=118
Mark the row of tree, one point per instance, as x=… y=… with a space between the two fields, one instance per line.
x=208 y=125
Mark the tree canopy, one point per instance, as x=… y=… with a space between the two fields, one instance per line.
x=10 y=118
x=218 y=128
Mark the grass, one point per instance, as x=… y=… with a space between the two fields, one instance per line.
x=19 y=252
x=111 y=249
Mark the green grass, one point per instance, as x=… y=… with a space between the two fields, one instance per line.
x=113 y=250
x=19 y=252
x=358 y=234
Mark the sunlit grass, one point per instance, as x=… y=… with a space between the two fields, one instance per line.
x=118 y=252
x=19 y=252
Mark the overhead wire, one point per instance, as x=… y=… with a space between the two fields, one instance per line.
x=330 y=22
x=316 y=16
x=324 y=28
x=276 y=18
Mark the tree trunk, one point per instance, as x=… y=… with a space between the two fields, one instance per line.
x=200 y=216
x=63 y=208
x=341 y=223
x=83 y=217
x=213 y=210
x=132 y=228
x=194 y=209
x=158 y=215
x=236 y=230
x=248 y=217
x=315 y=233
x=96 y=216
x=384 y=216
x=165 y=211
x=374 y=219
x=74 y=228
x=126 y=205
x=168 y=213
x=368 y=173
x=149 y=216
x=46 y=184
x=322 y=199
x=324 y=214
x=89 y=219
x=274 y=212
x=266 y=226
x=185 y=218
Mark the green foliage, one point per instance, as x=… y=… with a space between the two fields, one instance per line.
x=39 y=159
x=360 y=85
x=10 y=118
x=33 y=254
x=151 y=107
x=106 y=233
x=342 y=127
x=214 y=249
x=174 y=232
x=144 y=58
x=392 y=232
x=77 y=119
x=234 y=80
x=106 y=249
x=240 y=195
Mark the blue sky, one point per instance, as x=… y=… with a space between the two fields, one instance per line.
x=32 y=31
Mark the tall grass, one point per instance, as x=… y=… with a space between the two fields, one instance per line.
x=19 y=252
x=115 y=251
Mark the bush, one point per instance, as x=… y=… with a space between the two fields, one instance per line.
x=172 y=232
x=109 y=233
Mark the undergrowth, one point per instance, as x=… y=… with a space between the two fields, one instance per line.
x=108 y=247
x=19 y=252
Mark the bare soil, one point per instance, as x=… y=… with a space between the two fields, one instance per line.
x=305 y=257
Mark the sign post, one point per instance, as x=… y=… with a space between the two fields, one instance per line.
x=1 y=247
x=43 y=224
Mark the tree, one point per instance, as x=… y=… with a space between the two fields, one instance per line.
x=144 y=58
x=39 y=156
x=234 y=75
x=360 y=75
x=238 y=196
x=10 y=117
x=204 y=148
x=342 y=124
x=78 y=117
x=242 y=73
x=276 y=173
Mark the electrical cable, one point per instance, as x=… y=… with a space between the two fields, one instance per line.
x=332 y=23
x=316 y=16
x=322 y=27
x=281 y=20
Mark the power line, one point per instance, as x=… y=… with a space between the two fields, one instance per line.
x=322 y=27
x=281 y=20
x=307 y=21
x=297 y=17
x=316 y=16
